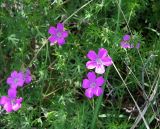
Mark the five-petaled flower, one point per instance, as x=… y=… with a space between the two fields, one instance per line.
x=58 y=34
x=93 y=85
x=11 y=103
x=98 y=61
x=16 y=79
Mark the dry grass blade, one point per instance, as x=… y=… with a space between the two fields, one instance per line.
x=148 y=102
x=35 y=56
x=146 y=124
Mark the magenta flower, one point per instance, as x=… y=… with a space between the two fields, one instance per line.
x=11 y=103
x=27 y=76
x=16 y=79
x=93 y=85
x=99 y=61
x=58 y=34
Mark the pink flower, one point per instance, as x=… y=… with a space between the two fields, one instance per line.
x=11 y=103
x=93 y=85
x=15 y=80
x=98 y=61
x=58 y=34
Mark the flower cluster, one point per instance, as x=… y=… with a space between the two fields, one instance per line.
x=17 y=79
x=92 y=85
x=125 y=42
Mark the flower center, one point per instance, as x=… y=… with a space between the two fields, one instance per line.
x=93 y=84
x=15 y=80
x=13 y=102
x=98 y=60
x=59 y=34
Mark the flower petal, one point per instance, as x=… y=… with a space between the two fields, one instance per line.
x=14 y=74
x=52 y=30
x=60 y=27
x=89 y=93
x=20 y=83
x=28 y=79
x=52 y=39
x=100 y=81
x=12 y=93
x=13 y=85
x=16 y=106
x=98 y=91
x=9 y=80
x=21 y=80
x=86 y=83
x=126 y=37
x=91 y=76
x=107 y=61
x=65 y=34
x=122 y=44
x=61 y=41
x=8 y=107
x=100 y=69
x=3 y=100
x=125 y=45
x=138 y=45
x=27 y=76
x=102 y=53
x=28 y=72
x=92 y=55
x=51 y=44
x=91 y=64
x=19 y=100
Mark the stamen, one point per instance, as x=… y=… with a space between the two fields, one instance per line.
x=59 y=34
x=99 y=62
x=93 y=84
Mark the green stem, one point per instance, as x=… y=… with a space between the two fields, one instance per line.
x=98 y=103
